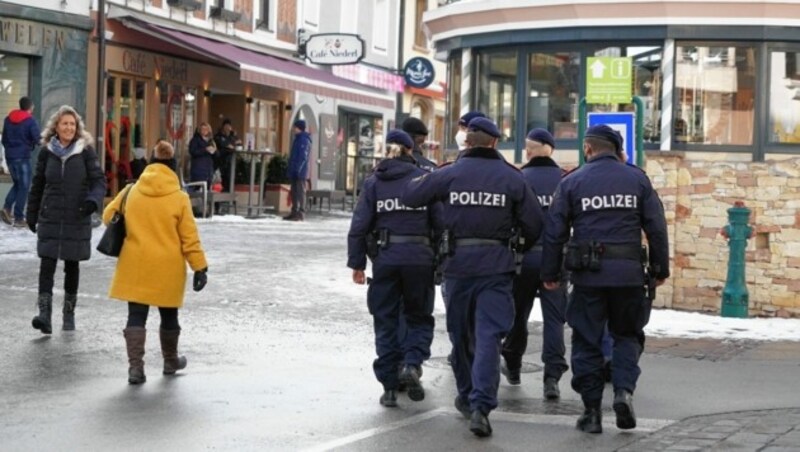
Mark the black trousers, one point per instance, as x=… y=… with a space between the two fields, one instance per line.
x=298 y=195
x=47 y=271
x=137 y=316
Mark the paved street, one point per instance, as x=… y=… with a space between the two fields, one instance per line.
x=280 y=352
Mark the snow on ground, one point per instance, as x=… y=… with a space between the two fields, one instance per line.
x=15 y=243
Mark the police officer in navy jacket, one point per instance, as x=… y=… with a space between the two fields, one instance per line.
x=543 y=175
x=485 y=200
x=607 y=204
x=398 y=240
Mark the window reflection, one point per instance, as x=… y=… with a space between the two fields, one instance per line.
x=497 y=78
x=784 y=97
x=715 y=97
x=553 y=91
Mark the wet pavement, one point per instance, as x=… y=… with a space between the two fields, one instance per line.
x=280 y=353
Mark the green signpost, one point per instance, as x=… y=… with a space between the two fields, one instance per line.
x=608 y=80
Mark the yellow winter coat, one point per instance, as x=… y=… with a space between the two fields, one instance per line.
x=161 y=238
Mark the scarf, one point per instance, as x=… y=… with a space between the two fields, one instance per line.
x=57 y=149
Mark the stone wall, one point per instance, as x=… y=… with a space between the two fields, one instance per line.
x=697 y=189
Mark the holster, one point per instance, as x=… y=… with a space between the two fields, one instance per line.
x=583 y=256
x=372 y=245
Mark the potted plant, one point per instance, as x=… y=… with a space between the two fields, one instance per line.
x=277 y=188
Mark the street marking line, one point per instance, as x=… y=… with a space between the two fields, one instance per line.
x=377 y=430
x=642 y=425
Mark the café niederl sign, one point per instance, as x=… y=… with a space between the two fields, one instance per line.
x=334 y=48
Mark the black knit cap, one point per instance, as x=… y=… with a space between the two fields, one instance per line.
x=414 y=126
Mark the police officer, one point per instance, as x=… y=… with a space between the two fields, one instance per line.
x=607 y=204
x=484 y=200
x=419 y=133
x=398 y=241
x=463 y=122
x=543 y=175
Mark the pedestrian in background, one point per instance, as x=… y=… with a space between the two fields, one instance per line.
x=68 y=186
x=419 y=133
x=485 y=201
x=226 y=142
x=542 y=174
x=606 y=204
x=161 y=237
x=20 y=136
x=399 y=242
x=202 y=150
x=297 y=171
x=463 y=123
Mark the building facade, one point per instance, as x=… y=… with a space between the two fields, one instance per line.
x=719 y=84
x=174 y=64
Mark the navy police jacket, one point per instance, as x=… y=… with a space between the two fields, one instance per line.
x=483 y=197
x=423 y=162
x=379 y=207
x=543 y=175
x=611 y=203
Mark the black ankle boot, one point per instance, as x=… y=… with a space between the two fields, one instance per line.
x=591 y=421
x=70 y=300
x=479 y=424
x=409 y=378
x=42 y=321
x=623 y=407
x=389 y=398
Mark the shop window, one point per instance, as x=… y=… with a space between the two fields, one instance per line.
x=647 y=85
x=784 y=97
x=714 y=94
x=497 y=97
x=419 y=35
x=553 y=92
x=264 y=126
x=453 y=98
x=14 y=75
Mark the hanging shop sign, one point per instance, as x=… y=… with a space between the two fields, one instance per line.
x=418 y=72
x=334 y=48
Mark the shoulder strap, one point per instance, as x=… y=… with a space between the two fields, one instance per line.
x=124 y=198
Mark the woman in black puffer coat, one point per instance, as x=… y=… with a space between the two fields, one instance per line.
x=68 y=186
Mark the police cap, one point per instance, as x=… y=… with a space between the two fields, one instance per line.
x=415 y=127
x=485 y=125
x=542 y=136
x=398 y=136
x=464 y=120
x=606 y=133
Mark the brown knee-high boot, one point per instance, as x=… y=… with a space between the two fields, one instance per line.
x=134 y=339
x=169 y=349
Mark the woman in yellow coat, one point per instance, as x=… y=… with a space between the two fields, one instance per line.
x=161 y=237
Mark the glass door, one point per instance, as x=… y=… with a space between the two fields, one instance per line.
x=124 y=128
x=361 y=148
x=178 y=113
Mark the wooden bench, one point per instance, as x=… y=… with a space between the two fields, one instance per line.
x=331 y=195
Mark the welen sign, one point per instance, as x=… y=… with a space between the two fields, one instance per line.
x=334 y=48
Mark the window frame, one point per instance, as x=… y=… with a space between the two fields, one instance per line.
x=756 y=148
x=265 y=19
x=770 y=147
x=420 y=40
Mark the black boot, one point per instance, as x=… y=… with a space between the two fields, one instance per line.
x=462 y=405
x=551 y=391
x=410 y=378
x=479 y=424
x=389 y=398
x=42 y=321
x=512 y=375
x=70 y=300
x=591 y=421
x=623 y=407
x=134 y=341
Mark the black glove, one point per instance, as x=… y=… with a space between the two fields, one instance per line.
x=32 y=223
x=200 y=280
x=87 y=208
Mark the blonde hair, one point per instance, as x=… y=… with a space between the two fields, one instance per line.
x=163 y=150
x=394 y=150
x=80 y=128
x=536 y=149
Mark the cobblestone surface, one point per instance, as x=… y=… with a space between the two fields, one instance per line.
x=763 y=431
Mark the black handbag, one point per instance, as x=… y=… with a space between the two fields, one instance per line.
x=114 y=236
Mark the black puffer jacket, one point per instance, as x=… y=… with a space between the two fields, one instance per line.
x=58 y=190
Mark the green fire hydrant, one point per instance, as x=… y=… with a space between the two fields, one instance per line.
x=735 y=298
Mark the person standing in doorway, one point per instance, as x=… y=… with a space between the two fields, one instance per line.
x=20 y=136
x=298 y=170
x=226 y=141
